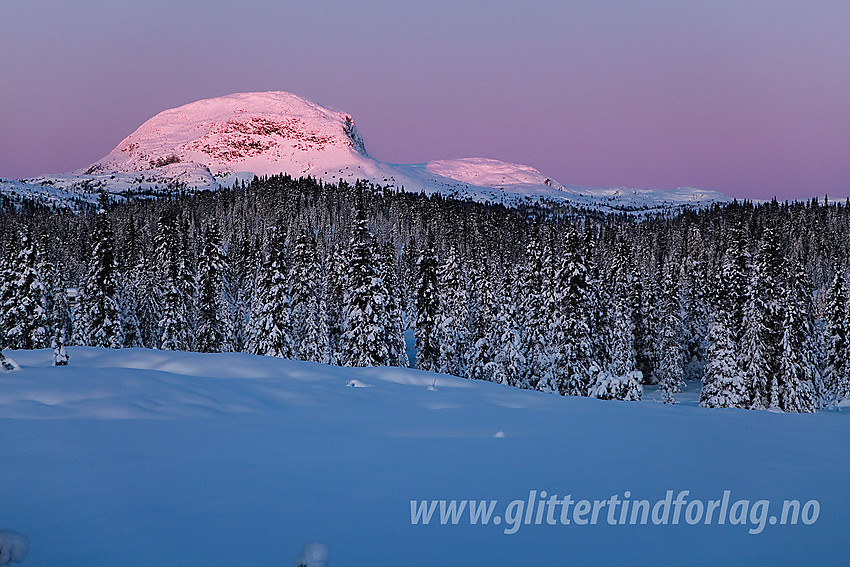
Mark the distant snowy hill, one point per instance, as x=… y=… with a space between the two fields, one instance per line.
x=139 y=457
x=212 y=143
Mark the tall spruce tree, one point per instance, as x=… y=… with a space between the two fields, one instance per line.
x=797 y=387
x=427 y=310
x=26 y=309
x=451 y=319
x=335 y=281
x=762 y=322
x=507 y=337
x=724 y=383
x=367 y=339
x=60 y=320
x=670 y=373
x=695 y=293
x=575 y=362
x=270 y=331
x=835 y=337
x=212 y=334
x=620 y=379
x=396 y=322
x=7 y=277
x=539 y=373
x=174 y=329
x=482 y=351
x=309 y=320
x=97 y=315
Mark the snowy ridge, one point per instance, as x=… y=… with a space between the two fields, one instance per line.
x=212 y=143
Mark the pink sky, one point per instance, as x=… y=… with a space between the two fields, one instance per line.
x=748 y=98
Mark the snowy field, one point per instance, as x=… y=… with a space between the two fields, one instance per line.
x=146 y=458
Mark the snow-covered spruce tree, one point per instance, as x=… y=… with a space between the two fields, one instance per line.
x=539 y=373
x=597 y=307
x=509 y=366
x=55 y=299
x=695 y=304
x=212 y=333
x=142 y=298
x=798 y=386
x=427 y=309
x=736 y=278
x=641 y=296
x=669 y=374
x=144 y=302
x=309 y=320
x=61 y=322
x=835 y=338
x=620 y=380
x=407 y=279
x=244 y=261
x=60 y=356
x=758 y=353
x=575 y=364
x=26 y=320
x=481 y=354
x=366 y=340
x=174 y=330
x=7 y=288
x=762 y=321
x=129 y=316
x=7 y=276
x=556 y=318
x=270 y=326
x=451 y=319
x=841 y=389
x=724 y=382
x=334 y=296
x=130 y=292
x=97 y=315
x=396 y=323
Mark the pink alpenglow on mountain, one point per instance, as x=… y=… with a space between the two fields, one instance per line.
x=215 y=142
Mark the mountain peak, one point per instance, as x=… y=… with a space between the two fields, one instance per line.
x=254 y=132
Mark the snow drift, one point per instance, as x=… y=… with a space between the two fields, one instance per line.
x=137 y=457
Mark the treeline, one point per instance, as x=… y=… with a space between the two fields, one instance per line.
x=750 y=299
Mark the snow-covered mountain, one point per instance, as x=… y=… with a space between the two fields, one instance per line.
x=212 y=143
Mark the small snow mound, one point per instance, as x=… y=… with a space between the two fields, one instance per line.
x=14 y=547
x=358 y=384
x=314 y=554
x=499 y=435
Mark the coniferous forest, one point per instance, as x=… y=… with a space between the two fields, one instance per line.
x=750 y=299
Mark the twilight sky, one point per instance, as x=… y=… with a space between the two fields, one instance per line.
x=750 y=98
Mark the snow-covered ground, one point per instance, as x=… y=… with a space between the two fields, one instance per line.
x=139 y=458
